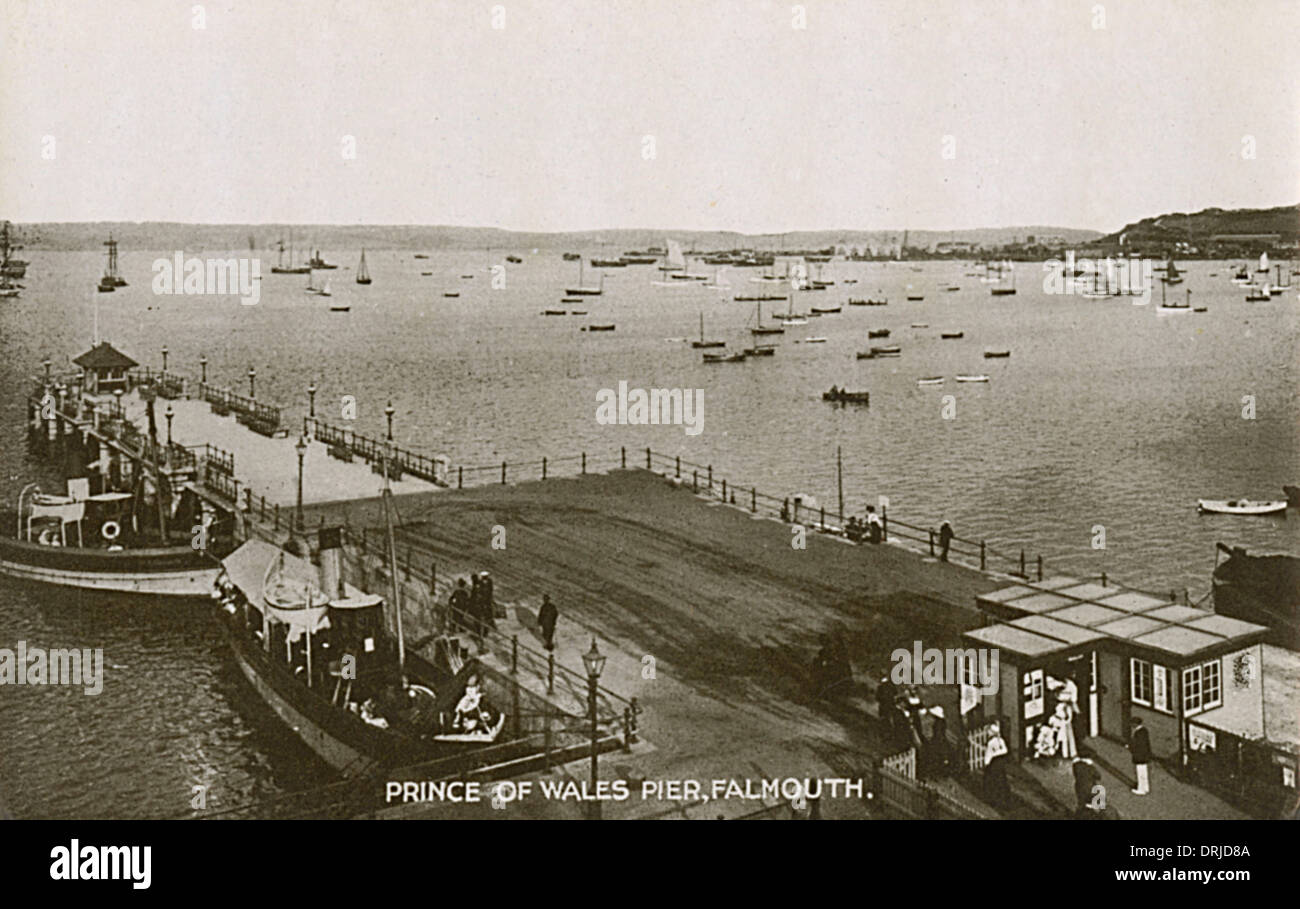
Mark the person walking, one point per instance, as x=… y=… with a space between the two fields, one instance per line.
x=547 y=616
x=945 y=540
x=1139 y=745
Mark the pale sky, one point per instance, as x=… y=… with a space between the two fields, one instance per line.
x=757 y=125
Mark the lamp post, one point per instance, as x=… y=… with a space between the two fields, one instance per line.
x=301 y=448
x=311 y=400
x=169 y=413
x=252 y=378
x=388 y=412
x=164 y=353
x=594 y=660
x=203 y=365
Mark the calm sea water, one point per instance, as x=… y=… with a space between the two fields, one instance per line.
x=1105 y=414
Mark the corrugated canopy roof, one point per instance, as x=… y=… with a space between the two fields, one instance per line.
x=1063 y=612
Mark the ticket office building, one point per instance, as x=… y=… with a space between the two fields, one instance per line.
x=1129 y=655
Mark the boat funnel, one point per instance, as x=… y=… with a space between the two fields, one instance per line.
x=331 y=562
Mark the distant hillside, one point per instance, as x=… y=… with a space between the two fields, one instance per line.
x=1243 y=230
x=335 y=239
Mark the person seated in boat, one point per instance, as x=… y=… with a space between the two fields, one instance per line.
x=469 y=709
x=834 y=391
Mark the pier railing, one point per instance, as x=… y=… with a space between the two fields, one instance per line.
x=259 y=417
x=519 y=656
x=703 y=480
x=345 y=443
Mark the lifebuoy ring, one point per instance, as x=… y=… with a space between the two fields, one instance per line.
x=110 y=530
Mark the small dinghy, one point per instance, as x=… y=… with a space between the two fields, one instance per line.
x=930 y=380
x=598 y=327
x=842 y=395
x=920 y=324
x=814 y=340
x=724 y=358
x=878 y=333
x=994 y=354
x=886 y=351
x=979 y=378
x=951 y=335
x=554 y=312
x=1239 y=506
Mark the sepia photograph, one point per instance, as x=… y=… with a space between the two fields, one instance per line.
x=458 y=410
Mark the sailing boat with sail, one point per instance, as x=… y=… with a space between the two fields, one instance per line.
x=1172 y=275
x=761 y=329
x=363 y=273
x=1263 y=264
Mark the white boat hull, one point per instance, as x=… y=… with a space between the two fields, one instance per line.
x=1209 y=506
x=191 y=583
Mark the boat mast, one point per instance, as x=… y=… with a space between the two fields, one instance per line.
x=392 y=569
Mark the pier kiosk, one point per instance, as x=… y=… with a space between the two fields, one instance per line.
x=105 y=370
x=1128 y=654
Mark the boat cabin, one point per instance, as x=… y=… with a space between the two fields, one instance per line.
x=105 y=370
x=1114 y=654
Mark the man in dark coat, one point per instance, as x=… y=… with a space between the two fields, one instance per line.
x=489 y=601
x=459 y=605
x=547 y=616
x=945 y=540
x=1139 y=745
x=1086 y=778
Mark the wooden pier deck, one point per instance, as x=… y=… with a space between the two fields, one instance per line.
x=727 y=611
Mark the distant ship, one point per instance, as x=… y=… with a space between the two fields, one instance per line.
x=111 y=279
x=290 y=269
x=317 y=262
x=9 y=266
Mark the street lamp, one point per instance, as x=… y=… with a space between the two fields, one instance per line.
x=169 y=413
x=311 y=398
x=388 y=412
x=203 y=365
x=594 y=660
x=164 y=353
x=252 y=377
x=301 y=448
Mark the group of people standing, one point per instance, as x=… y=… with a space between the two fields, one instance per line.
x=472 y=607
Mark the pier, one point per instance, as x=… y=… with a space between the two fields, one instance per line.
x=710 y=615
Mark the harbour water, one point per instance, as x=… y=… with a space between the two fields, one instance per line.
x=1105 y=414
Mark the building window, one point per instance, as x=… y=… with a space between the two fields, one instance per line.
x=1143 y=683
x=1033 y=694
x=1202 y=687
x=1160 y=692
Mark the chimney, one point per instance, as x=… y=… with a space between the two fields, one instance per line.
x=331 y=562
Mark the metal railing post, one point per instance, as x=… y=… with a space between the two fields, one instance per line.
x=982 y=557
x=679 y=467
x=543 y=468
x=503 y=473
x=623 y=456
x=1040 y=567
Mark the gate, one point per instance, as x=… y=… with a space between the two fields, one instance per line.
x=976 y=742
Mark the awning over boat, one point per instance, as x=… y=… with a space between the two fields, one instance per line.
x=251 y=566
x=67 y=512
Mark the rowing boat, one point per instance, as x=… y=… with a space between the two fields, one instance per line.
x=1239 y=506
x=979 y=378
